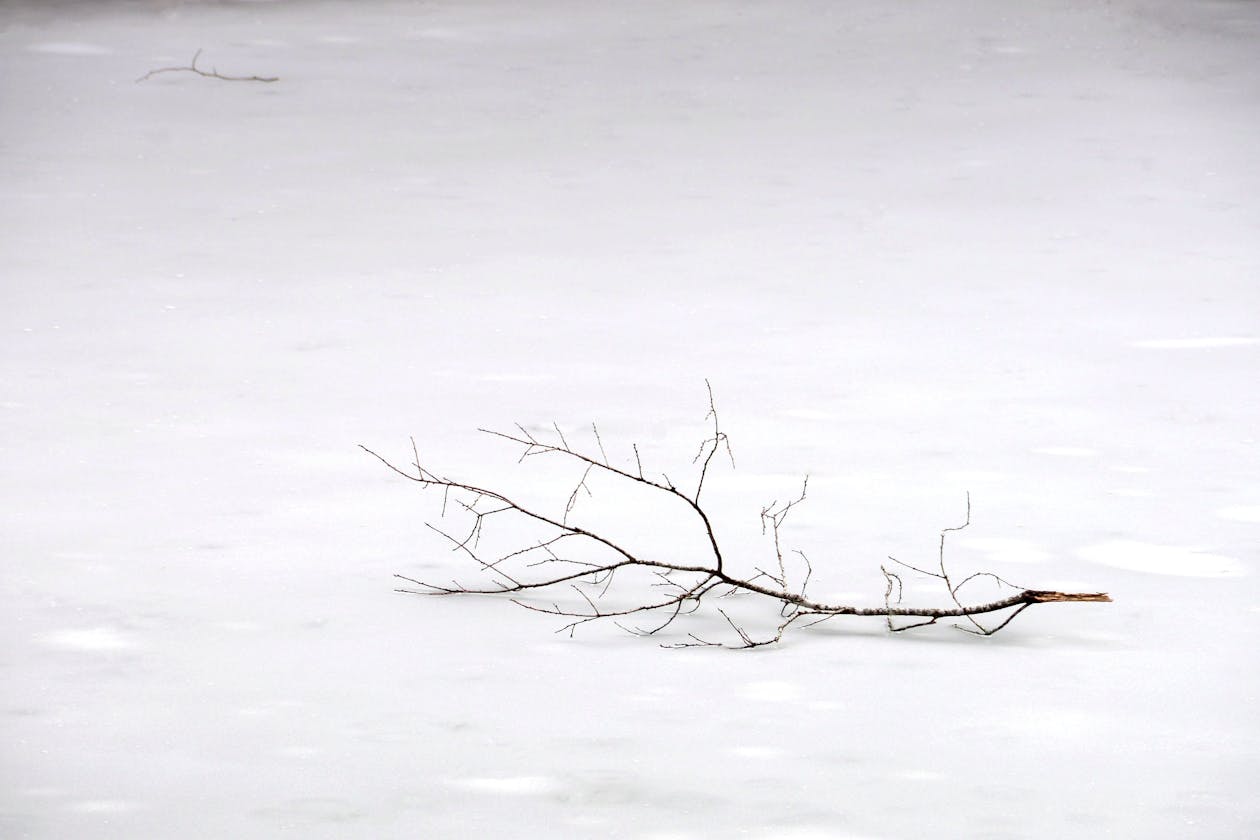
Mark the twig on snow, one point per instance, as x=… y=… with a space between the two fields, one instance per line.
x=212 y=73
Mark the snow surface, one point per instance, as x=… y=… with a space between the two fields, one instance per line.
x=919 y=249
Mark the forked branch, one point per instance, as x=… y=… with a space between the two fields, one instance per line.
x=212 y=73
x=582 y=589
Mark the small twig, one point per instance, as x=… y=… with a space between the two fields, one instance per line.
x=711 y=444
x=573 y=497
x=213 y=73
x=595 y=429
x=774 y=516
x=564 y=444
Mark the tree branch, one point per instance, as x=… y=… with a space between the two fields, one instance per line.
x=690 y=583
x=213 y=73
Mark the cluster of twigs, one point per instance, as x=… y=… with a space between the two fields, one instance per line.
x=212 y=73
x=683 y=587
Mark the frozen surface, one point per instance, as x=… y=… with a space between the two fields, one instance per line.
x=919 y=248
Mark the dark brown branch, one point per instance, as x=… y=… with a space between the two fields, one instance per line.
x=213 y=73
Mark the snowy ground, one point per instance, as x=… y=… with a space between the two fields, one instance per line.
x=919 y=249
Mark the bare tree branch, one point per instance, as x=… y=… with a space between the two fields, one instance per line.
x=550 y=564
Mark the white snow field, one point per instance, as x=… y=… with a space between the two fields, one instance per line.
x=919 y=249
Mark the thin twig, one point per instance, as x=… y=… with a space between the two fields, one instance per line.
x=213 y=73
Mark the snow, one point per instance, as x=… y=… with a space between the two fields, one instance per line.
x=1162 y=559
x=1196 y=343
x=919 y=249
